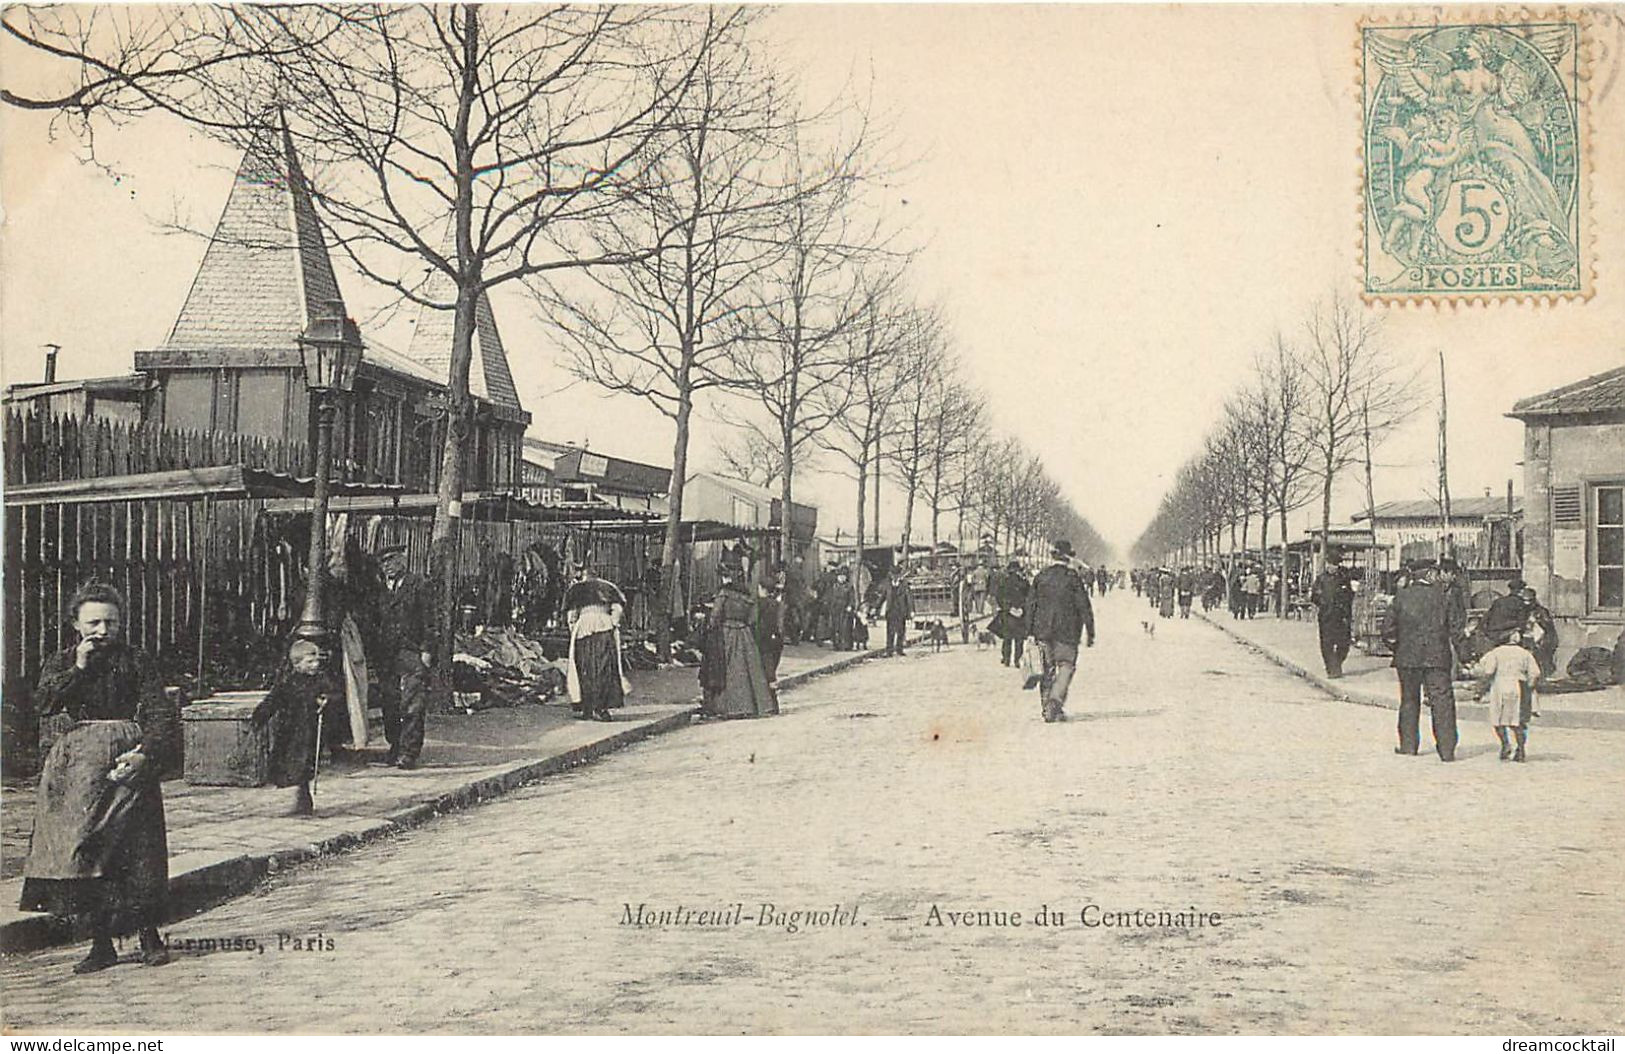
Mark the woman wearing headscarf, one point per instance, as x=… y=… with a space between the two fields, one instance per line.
x=99 y=847
x=732 y=674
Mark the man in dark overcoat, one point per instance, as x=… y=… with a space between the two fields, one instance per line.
x=898 y=600
x=1333 y=597
x=1058 y=613
x=1420 y=626
x=405 y=631
x=1009 y=620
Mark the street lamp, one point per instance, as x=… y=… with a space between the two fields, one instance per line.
x=330 y=348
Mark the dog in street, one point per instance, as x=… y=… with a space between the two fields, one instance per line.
x=938 y=635
x=986 y=639
x=1149 y=627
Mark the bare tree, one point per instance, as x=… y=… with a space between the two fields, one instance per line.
x=1348 y=378
x=805 y=306
x=863 y=397
x=951 y=429
x=667 y=326
x=451 y=149
x=752 y=456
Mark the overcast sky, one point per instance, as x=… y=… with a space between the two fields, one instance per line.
x=1120 y=205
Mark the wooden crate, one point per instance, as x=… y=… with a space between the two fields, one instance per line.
x=223 y=748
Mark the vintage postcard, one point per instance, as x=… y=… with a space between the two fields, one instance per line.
x=851 y=519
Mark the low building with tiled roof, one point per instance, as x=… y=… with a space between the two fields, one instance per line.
x=231 y=362
x=1574 y=476
x=1484 y=531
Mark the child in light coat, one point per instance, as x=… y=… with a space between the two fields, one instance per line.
x=1512 y=672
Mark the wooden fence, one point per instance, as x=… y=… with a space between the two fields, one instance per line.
x=42 y=448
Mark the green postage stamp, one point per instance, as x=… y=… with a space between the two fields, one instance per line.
x=1475 y=179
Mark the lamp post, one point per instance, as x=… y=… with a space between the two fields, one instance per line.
x=330 y=348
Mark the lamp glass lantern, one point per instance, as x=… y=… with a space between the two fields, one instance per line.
x=330 y=348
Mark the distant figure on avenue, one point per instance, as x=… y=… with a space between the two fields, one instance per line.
x=1166 y=590
x=293 y=714
x=1009 y=621
x=796 y=615
x=898 y=600
x=405 y=633
x=770 y=627
x=1512 y=672
x=978 y=579
x=1419 y=626
x=1333 y=597
x=1185 y=584
x=1252 y=592
x=967 y=607
x=840 y=608
x=99 y=847
x=731 y=672
x=595 y=677
x=1058 y=614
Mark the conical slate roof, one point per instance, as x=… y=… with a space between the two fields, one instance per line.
x=488 y=375
x=266 y=271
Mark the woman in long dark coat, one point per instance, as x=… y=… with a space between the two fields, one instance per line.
x=732 y=675
x=99 y=846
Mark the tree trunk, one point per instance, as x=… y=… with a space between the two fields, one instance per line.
x=672 y=547
x=786 y=489
x=443 y=543
x=863 y=490
x=1326 y=514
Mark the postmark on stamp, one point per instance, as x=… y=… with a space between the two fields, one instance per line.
x=1473 y=169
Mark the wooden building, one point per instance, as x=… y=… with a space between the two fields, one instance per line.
x=231 y=362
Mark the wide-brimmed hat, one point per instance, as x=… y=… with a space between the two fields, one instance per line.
x=1062 y=548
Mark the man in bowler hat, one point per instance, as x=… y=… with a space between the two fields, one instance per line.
x=1058 y=613
x=1420 y=626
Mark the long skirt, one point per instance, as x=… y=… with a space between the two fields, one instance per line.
x=1166 y=604
x=599 y=671
x=744 y=691
x=97 y=845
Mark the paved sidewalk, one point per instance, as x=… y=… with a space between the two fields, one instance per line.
x=1369 y=680
x=223 y=841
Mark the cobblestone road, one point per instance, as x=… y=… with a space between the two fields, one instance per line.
x=1359 y=891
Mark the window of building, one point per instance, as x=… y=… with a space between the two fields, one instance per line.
x=262 y=403
x=189 y=400
x=1608 y=545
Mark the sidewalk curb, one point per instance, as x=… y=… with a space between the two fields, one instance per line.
x=1597 y=720
x=206 y=887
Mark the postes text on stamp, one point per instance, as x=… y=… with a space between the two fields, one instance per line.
x=1474 y=179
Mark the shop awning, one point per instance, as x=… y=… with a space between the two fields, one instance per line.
x=486 y=507
x=221 y=481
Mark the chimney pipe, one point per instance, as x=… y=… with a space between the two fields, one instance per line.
x=50 y=362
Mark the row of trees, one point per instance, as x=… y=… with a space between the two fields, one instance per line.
x=1314 y=405
x=695 y=233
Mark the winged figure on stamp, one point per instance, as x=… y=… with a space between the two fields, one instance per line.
x=1479 y=110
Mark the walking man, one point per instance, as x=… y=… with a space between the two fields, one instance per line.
x=1420 y=626
x=1009 y=622
x=899 y=604
x=405 y=625
x=1333 y=597
x=1058 y=613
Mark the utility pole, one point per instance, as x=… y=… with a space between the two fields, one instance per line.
x=1444 y=463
